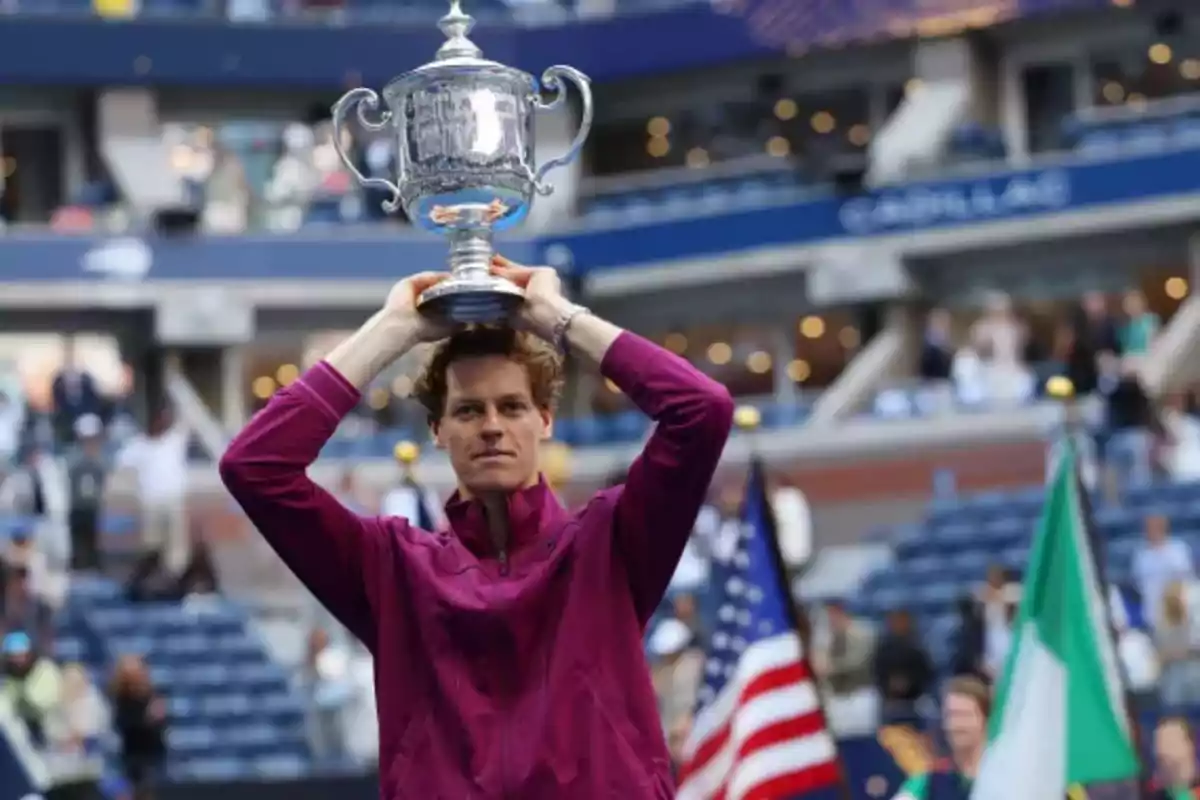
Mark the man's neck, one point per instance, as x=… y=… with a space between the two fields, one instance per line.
x=1183 y=774
x=968 y=762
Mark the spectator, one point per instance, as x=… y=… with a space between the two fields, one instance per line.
x=1141 y=326
x=35 y=589
x=1181 y=451
x=330 y=690
x=348 y=493
x=75 y=725
x=88 y=474
x=999 y=597
x=1160 y=561
x=226 y=195
x=844 y=666
x=1130 y=422
x=687 y=611
x=74 y=394
x=1176 y=773
x=904 y=672
x=151 y=582
x=140 y=718
x=967 y=372
x=293 y=180
x=31 y=684
x=1095 y=336
x=969 y=639
x=937 y=347
x=198 y=585
x=1178 y=642
x=999 y=338
x=1140 y=660
x=678 y=671
x=159 y=460
x=12 y=424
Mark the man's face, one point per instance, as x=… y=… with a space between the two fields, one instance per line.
x=17 y=663
x=1156 y=529
x=490 y=426
x=963 y=722
x=839 y=620
x=1172 y=747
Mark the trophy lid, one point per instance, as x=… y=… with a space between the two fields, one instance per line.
x=456 y=25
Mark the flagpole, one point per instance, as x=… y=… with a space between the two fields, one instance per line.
x=1062 y=389
x=748 y=419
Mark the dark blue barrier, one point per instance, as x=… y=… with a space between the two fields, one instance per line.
x=214 y=53
x=868 y=765
x=346 y=255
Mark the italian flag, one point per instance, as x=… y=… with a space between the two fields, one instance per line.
x=1058 y=718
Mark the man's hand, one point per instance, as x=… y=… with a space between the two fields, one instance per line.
x=402 y=304
x=389 y=333
x=544 y=301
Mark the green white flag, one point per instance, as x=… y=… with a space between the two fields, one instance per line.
x=1058 y=718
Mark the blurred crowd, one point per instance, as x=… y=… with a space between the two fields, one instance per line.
x=1096 y=355
x=250 y=175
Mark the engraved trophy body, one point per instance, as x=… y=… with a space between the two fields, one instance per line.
x=464 y=132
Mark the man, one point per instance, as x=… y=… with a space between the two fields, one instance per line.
x=845 y=667
x=87 y=475
x=159 y=460
x=508 y=647
x=904 y=672
x=1175 y=761
x=29 y=684
x=1160 y=561
x=965 y=708
x=74 y=393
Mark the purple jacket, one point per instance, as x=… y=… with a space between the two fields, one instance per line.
x=525 y=680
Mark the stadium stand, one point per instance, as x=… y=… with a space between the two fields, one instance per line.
x=892 y=232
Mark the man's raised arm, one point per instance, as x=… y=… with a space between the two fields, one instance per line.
x=265 y=467
x=668 y=482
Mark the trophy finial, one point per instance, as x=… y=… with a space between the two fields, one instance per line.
x=456 y=25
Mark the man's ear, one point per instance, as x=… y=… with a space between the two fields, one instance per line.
x=547 y=423
x=435 y=429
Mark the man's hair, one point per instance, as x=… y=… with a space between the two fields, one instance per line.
x=975 y=689
x=541 y=361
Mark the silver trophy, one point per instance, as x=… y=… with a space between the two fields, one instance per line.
x=465 y=168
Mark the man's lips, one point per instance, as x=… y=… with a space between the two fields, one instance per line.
x=490 y=454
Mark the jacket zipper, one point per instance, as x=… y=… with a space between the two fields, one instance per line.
x=502 y=557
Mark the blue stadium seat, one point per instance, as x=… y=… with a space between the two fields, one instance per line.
x=233 y=711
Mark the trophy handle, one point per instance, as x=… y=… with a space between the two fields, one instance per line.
x=365 y=100
x=553 y=79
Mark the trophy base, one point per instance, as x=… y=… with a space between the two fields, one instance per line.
x=471 y=300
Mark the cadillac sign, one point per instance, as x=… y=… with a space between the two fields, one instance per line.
x=965 y=202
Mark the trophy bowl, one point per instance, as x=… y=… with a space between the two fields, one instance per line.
x=465 y=169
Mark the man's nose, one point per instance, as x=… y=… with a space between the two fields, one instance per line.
x=491 y=424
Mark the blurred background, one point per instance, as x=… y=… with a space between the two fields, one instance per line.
x=884 y=224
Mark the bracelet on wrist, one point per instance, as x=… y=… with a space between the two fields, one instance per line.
x=558 y=334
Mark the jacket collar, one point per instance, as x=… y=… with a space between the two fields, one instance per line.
x=530 y=511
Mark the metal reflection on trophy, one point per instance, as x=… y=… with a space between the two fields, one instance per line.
x=465 y=169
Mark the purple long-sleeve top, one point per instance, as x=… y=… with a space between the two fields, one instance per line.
x=524 y=680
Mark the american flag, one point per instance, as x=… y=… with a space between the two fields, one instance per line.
x=760 y=731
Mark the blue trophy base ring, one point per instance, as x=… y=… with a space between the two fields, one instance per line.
x=472 y=300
